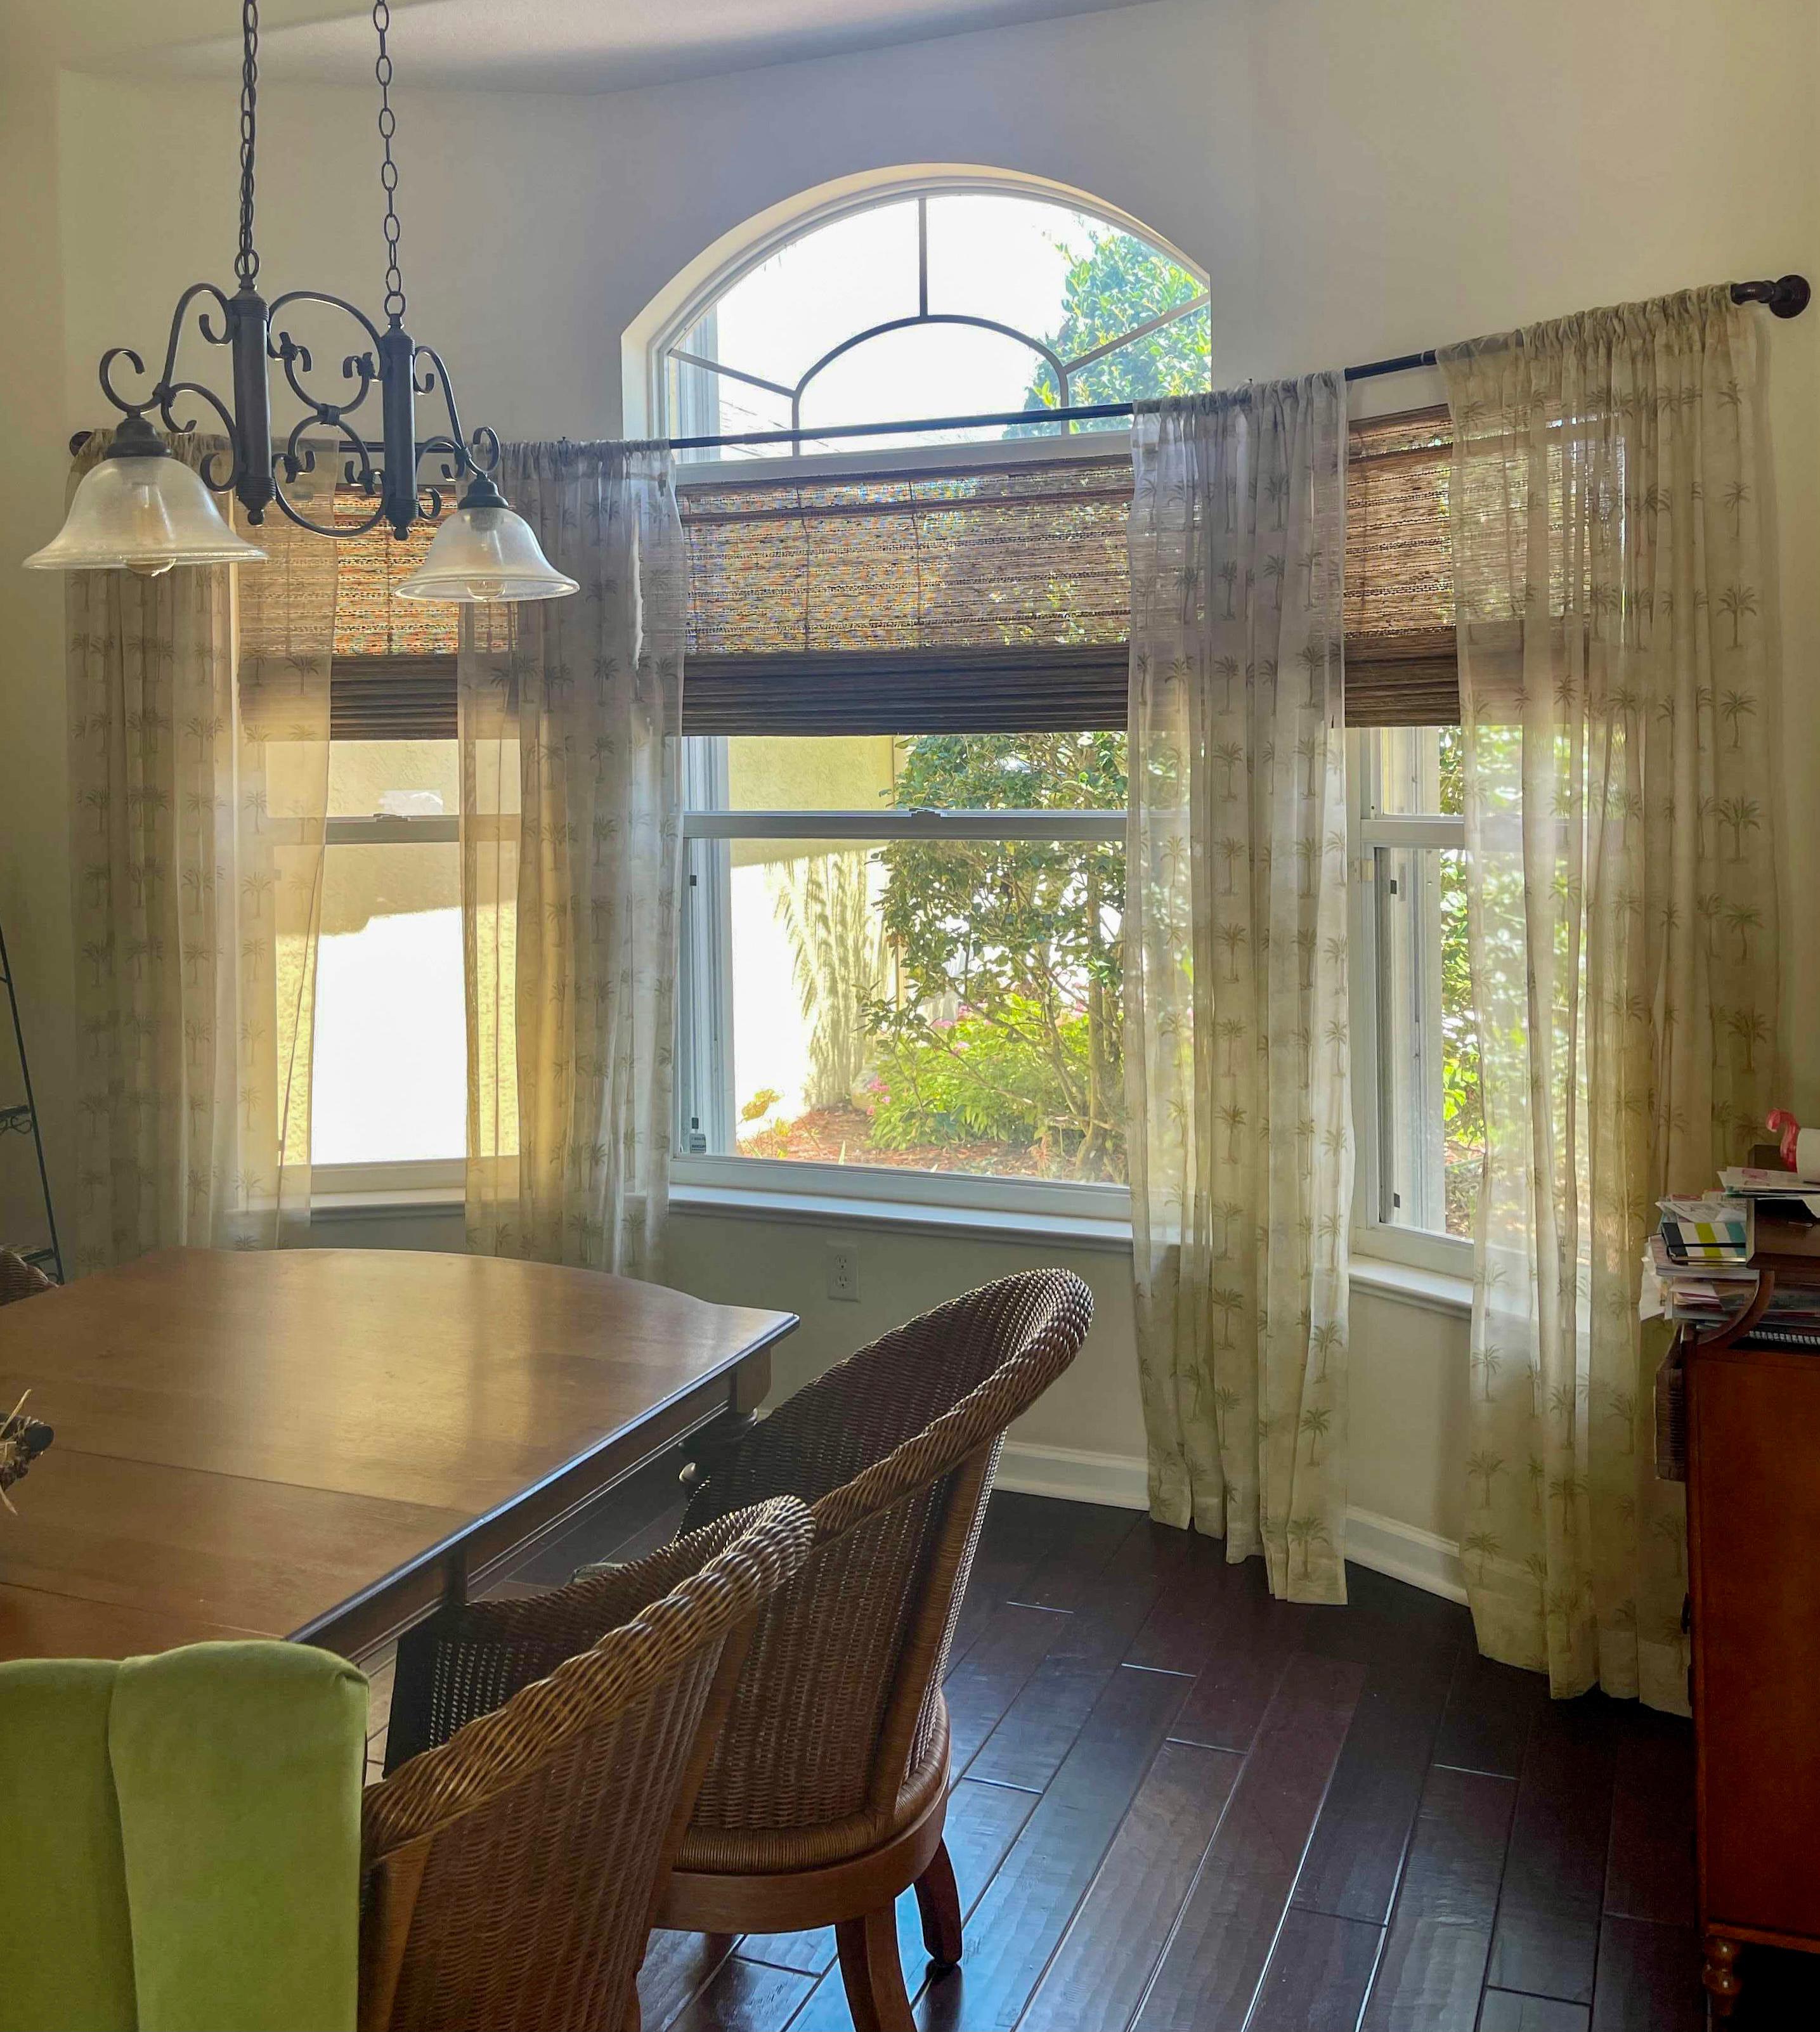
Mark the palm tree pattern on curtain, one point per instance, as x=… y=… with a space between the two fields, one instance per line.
x=1237 y=1053
x=198 y=730
x=1619 y=693
x=571 y=830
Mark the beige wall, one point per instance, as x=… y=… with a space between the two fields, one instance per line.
x=1358 y=180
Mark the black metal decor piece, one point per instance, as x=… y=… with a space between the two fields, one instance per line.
x=20 y=1119
x=391 y=360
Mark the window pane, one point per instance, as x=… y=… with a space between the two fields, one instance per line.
x=848 y=772
x=946 y=1007
x=705 y=404
x=917 y=371
x=393 y=779
x=1175 y=360
x=866 y=772
x=1002 y=257
x=1072 y=280
x=1420 y=772
x=1432 y=1137
x=390 y=1074
x=1053 y=275
x=777 y=320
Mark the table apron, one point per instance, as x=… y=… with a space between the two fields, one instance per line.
x=500 y=1540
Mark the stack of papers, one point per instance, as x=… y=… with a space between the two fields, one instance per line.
x=1698 y=1265
x=1749 y=1182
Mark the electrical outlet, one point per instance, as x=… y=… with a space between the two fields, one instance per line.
x=842 y=1274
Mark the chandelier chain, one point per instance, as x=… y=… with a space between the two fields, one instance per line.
x=388 y=169
x=246 y=260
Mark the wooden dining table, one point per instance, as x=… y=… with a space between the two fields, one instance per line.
x=326 y=1444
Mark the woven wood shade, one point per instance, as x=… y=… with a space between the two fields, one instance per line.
x=1401 y=669
x=392 y=698
x=963 y=600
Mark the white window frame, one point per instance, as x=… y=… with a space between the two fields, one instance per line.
x=708 y=289
x=704 y=1001
x=1369 y=829
x=705 y=1020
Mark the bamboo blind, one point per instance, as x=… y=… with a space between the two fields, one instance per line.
x=968 y=599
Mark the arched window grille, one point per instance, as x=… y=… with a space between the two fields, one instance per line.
x=959 y=299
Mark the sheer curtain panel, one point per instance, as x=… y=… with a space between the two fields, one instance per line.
x=1619 y=696
x=199 y=755
x=1235 y=980
x=569 y=713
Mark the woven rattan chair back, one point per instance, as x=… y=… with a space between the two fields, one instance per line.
x=838 y=1709
x=512 y=1870
x=19 y=1279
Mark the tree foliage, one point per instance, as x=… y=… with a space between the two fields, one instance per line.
x=1117 y=283
x=1007 y=1023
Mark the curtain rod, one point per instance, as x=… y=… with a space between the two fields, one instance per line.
x=1787 y=297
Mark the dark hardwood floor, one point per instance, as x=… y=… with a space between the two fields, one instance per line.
x=1180 y=1805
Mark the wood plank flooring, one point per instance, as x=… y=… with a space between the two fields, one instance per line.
x=1179 y=1804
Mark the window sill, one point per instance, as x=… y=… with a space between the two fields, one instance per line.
x=828 y=1210
x=387 y=1202
x=1433 y=1290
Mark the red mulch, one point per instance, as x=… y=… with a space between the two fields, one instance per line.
x=844 y=1135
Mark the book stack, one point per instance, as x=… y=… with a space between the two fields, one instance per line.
x=1721 y=1228
x=1699 y=1266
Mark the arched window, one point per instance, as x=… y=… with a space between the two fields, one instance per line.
x=940 y=301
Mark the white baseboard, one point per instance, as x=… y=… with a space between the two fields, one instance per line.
x=1120 y=1480
x=1404 y=1552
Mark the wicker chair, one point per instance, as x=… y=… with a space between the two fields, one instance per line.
x=511 y=1872
x=827 y=1791
x=19 y=1279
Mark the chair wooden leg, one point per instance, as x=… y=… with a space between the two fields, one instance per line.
x=939 y=1901
x=873 y=1975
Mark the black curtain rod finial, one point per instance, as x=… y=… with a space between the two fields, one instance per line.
x=1787 y=296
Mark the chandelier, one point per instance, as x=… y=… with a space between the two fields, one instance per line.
x=142 y=508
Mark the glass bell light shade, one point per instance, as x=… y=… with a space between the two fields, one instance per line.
x=484 y=553
x=145 y=511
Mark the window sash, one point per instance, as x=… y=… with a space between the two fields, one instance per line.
x=913 y=823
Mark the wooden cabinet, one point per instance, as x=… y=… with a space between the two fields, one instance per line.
x=1754 y=1554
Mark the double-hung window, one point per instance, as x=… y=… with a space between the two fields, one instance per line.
x=1414 y=1045
x=901 y=966
x=389 y=1084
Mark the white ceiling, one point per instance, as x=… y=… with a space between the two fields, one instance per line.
x=568 y=45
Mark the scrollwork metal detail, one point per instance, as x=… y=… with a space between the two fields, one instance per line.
x=256 y=471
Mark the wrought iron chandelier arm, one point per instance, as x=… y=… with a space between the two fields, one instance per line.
x=155 y=396
x=319 y=297
x=167 y=394
x=478 y=452
x=224 y=337
x=126 y=407
x=297 y=360
x=299 y=457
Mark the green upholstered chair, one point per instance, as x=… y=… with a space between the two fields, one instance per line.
x=180 y=1841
